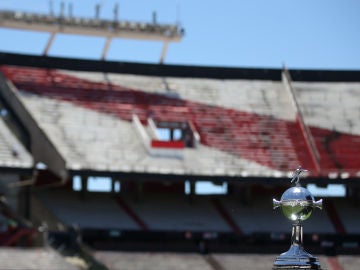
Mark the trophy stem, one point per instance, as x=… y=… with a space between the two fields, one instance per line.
x=297 y=234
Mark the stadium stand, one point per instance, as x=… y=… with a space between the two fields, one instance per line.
x=248 y=129
x=160 y=213
x=254 y=144
x=349 y=262
x=265 y=131
x=15 y=165
x=67 y=133
x=96 y=211
x=331 y=109
x=141 y=260
x=12 y=152
x=346 y=212
x=32 y=259
x=219 y=261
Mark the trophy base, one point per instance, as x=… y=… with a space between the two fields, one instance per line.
x=296 y=258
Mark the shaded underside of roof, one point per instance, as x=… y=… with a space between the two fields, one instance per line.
x=177 y=70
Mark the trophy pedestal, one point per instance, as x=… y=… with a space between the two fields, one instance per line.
x=296 y=257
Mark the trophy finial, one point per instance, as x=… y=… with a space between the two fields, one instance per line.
x=296 y=175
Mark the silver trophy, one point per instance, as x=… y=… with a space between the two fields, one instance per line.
x=297 y=204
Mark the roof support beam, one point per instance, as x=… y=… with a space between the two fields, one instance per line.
x=163 y=52
x=106 y=48
x=49 y=43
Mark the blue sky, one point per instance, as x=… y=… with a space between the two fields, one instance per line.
x=238 y=33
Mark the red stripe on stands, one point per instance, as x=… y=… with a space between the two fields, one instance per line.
x=16 y=236
x=167 y=144
x=226 y=216
x=132 y=214
x=310 y=144
x=218 y=127
x=334 y=217
x=334 y=263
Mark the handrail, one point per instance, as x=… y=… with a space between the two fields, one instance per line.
x=141 y=131
x=195 y=134
x=314 y=153
x=152 y=129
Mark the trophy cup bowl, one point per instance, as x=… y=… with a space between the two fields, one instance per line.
x=297 y=204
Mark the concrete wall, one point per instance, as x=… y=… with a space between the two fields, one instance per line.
x=42 y=148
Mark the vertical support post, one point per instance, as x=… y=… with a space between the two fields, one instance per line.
x=163 y=52
x=84 y=182
x=49 y=43
x=27 y=210
x=112 y=185
x=106 y=48
x=192 y=191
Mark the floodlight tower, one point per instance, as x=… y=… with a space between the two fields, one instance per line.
x=97 y=27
